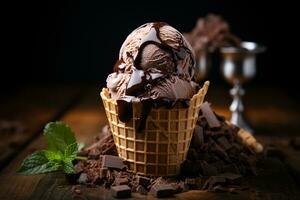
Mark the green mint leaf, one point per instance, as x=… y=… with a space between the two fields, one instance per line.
x=55 y=156
x=71 y=151
x=37 y=163
x=59 y=136
x=68 y=166
x=62 y=151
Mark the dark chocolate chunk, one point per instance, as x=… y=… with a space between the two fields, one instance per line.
x=94 y=154
x=113 y=162
x=162 y=190
x=219 y=151
x=230 y=168
x=214 y=133
x=76 y=190
x=179 y=187
x=207 y=112
x=223 y=142
x=208 y=170
x=140 y=189
x=190 y=181
x=121 y=191
x=144 y=181
x=103 y=172
x=213 y=181
x=198 y=136
x=79 y=167
x=83 y=178
x=192 y=154
x=104 y=146
x=219 y=188
x=231 y=177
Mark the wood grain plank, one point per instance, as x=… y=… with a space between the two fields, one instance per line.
x=32 y=107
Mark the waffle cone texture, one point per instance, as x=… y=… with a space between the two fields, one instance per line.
x=162 y=146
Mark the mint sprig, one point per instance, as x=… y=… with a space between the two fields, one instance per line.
x=62 y=151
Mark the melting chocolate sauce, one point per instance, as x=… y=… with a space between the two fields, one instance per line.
x=142 y=80
x=157 y=103
x=125 y=109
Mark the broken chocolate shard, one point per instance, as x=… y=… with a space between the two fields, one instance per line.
x=113 y=162
x=83 y=178
x=140 y=189
x=76 y=190
x=179 y=187
x=230 y=168
x=103 y=173
x=219 y=188
x=102 y=146
x=219 y=151
x=190 y=181
x=213 y=181
x=162 y=190
x=94 y=154
x=223 y=142
x=121 y=191
x=211 y=118
x=231 y=177
x=198 y=138
x=144 y=181
x=208 y=170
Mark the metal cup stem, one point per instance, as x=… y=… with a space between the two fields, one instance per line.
x=237 y=107
x=239 y=66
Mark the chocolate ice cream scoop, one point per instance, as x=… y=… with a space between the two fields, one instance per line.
x=155 y=67
x=157 y=45
x=154 y=57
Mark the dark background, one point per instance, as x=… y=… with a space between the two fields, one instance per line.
x=47 y=41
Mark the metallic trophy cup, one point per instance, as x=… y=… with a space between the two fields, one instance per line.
x=239 y=66
x=203 y=65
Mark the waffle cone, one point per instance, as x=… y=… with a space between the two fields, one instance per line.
x=162 y=146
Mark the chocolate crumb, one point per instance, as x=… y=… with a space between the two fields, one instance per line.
x=162 y=190
x=140 y=189
x=76 y=190
x=121 y=191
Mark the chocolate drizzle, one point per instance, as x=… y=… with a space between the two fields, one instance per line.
x=142 y=80
x=125 y=109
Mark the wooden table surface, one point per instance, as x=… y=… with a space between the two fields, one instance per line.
x=274 y=115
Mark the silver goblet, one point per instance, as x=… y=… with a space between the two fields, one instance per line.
x=203 y=64
x=238 y=66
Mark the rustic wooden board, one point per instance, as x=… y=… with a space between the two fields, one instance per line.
x=32 y=107
x=274 y=182
x=86 y=119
